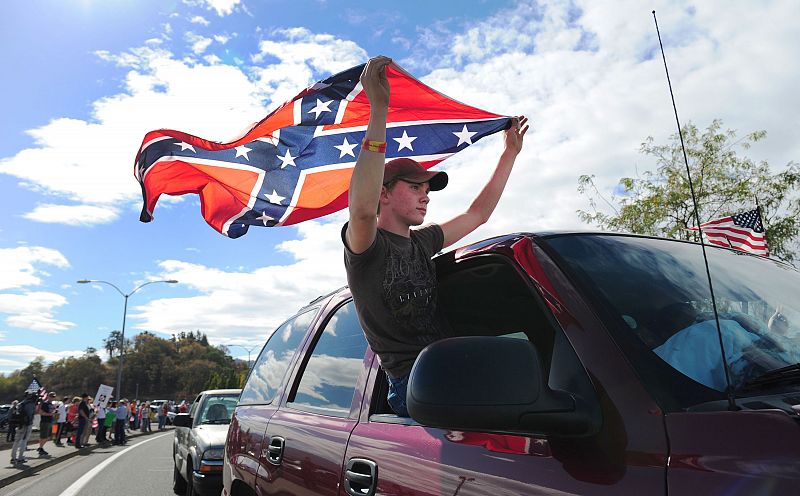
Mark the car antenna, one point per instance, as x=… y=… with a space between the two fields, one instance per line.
x=728 y=389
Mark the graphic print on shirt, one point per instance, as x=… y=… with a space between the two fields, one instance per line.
x=409 y=291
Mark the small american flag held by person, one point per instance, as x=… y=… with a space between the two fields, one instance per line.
x=296 y=163
x=743 y=232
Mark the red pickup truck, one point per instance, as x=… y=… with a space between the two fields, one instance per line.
x=582 y=364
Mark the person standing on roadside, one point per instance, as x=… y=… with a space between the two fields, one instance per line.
x=119 y=424
x=46 y=415
x=100 y=412
x=163 y=415
x=26 y=409
x=83 y=419
x=61 y=419
x=12 y=425
x=110 y=420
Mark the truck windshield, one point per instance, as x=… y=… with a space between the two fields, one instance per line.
x=654 y=297
x=217 y=408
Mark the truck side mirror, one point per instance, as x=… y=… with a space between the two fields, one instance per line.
x=490 y=383
x=182 y=420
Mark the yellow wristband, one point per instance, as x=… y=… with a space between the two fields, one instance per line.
x=374 y=146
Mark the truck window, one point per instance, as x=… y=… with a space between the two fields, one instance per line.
x=487 y=296
x=271 y=365
x=328 y=382
x=654 y=298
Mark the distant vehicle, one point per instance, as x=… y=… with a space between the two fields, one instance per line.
x=580 y=364
x=156 y=404
x=199 y=443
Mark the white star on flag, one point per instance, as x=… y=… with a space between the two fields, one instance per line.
x=405 y=141
x=264 y=217
x=275 y=198
x=346 y=148
x=242 y=151
x=287 y=160
x=320 y=108
x=465 y=136
x=185 y=146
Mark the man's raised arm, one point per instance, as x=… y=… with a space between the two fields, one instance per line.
x=482 y=207
x=367 y=179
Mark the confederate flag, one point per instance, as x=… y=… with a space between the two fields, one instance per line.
x=296 y=163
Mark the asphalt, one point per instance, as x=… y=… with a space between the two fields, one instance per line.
x=11 y=473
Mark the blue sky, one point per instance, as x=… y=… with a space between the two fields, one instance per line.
x=86 y=79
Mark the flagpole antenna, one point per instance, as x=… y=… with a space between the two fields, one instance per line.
x=729 y=389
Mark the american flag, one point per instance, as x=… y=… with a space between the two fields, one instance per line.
x=296 y=163
x=743 y=232
x=35 y=388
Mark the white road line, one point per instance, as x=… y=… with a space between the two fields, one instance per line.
x=78 y=484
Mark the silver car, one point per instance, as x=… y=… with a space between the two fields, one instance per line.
x=199 y=443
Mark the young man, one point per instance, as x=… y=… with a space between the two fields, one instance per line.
x=46 y=414
x=389 y=270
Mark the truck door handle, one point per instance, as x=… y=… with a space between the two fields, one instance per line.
x=361 y=477
x=275 y=450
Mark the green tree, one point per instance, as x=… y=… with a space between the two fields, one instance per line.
x=113 y=344
x=659 y=202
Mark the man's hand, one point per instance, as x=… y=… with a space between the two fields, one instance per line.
x=373 y=80
x=484 y=204
x=515 y=134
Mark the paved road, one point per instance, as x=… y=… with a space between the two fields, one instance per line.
x=144 y=466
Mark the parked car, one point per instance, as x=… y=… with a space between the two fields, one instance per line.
x=580 y=364
x=199 y=440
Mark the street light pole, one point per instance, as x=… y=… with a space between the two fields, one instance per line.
x=124 y=318
x=248 y=352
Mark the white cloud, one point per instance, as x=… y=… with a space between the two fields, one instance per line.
x=199 y=43
x=302 y=55
x=83 y=215
x=18 y=266
x=221 y=38
x=18 y=356
x=221 y=7
x=33 y=310
x=199 y=20
x=236 y=305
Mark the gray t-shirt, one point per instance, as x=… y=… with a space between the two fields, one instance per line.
x=395 y=292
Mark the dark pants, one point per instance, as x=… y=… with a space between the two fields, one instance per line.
x=101 y=430
x=119 y=431
x=11 y=434
x=82 y=421
x=59 y=432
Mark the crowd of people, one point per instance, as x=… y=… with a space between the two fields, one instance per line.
x=73 y=421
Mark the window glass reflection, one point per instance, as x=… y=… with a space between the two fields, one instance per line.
x=274 y=360
x=329 y=379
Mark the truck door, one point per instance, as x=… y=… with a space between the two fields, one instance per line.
x=308 y=435
x=245 y=446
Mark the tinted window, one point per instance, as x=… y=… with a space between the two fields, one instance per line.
x=655 y=298
x=329 y=379
x=274 y=360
